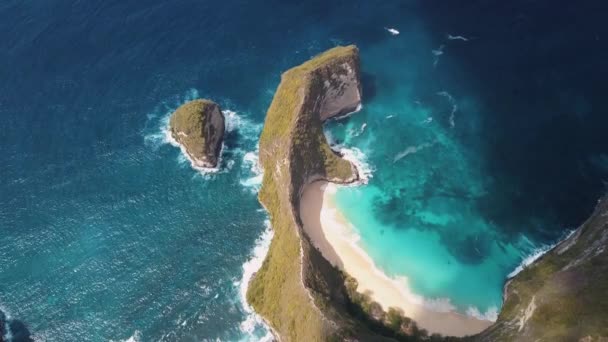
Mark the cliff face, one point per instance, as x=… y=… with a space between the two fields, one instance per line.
x=564 y=295
x=296 y=290
x=198 y=126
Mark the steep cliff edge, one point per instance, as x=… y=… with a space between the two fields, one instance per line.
x=296 y=290
x=564 y=295
x=198 y=127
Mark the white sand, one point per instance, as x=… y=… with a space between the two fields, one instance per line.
x=333 y=235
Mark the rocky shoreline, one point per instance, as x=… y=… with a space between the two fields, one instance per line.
x=198 y=128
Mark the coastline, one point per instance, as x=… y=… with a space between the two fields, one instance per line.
x=332 y=235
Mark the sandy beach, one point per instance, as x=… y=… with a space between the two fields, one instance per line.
x=334 y=237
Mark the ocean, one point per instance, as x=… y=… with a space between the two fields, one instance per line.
x=483 y=125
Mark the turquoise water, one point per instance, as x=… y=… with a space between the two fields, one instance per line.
x=435 y=210
x=106 y=232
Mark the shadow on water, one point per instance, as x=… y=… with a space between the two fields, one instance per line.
x=368 y=84
x=16 y=329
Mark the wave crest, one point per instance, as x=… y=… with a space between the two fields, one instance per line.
x=253 y=327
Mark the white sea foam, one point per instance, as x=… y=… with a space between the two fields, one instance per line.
x=184 y=154
x=357 y=110
x=536 y=254
x=490 y=315
x=454 y=104
x=528 y=260
x=357 y=132
x=436 y=53
x=438 y=304
x=248 y=131
x=255 y=175
x=463 y=38
x=392 y=31
x=8 y=335
x=359 y=159
x=411 y=150
x=136 y=337
x=253 y=323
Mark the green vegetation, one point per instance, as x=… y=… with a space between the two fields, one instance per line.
x=293 y=148
x=297 y=291
x=193 y=126
x=567 y=287
x=305 y=299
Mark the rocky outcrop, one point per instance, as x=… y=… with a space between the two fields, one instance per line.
x=341 y=88
x=297 y=291
x=563 y=296
x=198 y=127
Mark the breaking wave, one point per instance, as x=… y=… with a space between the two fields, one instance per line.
x=454 y=105
x=253 y=327
x=359 y=159
x=490 y=315
x=536 y=254
x=157 y=134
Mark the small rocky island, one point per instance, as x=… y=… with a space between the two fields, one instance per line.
x=198 y=127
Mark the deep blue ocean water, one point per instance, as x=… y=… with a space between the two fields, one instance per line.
x=106 y=233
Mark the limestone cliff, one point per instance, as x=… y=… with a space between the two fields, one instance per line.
x=296 y=290
x=561 y=297
x=198 y=126
x=564 y=295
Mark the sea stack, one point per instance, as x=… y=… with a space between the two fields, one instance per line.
x=198 y=127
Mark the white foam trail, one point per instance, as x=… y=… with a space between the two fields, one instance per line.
x=357 y=110
x=428 y=120
x=490 y=315
x=248 y=130
x=463 y=38
x=389 y=116
x=203 y=170
x=454 y=106
x=401 y=283
x=136 y=337
x=253 y=323
x=392 y=31
x=8 y=336
x=251 y=161
x=436 y=53
x=359 y=159
x=356 y=133
x=439 y=51
x=438 y=304
x=528 y=260
x=159 y=137
x=411 y=150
